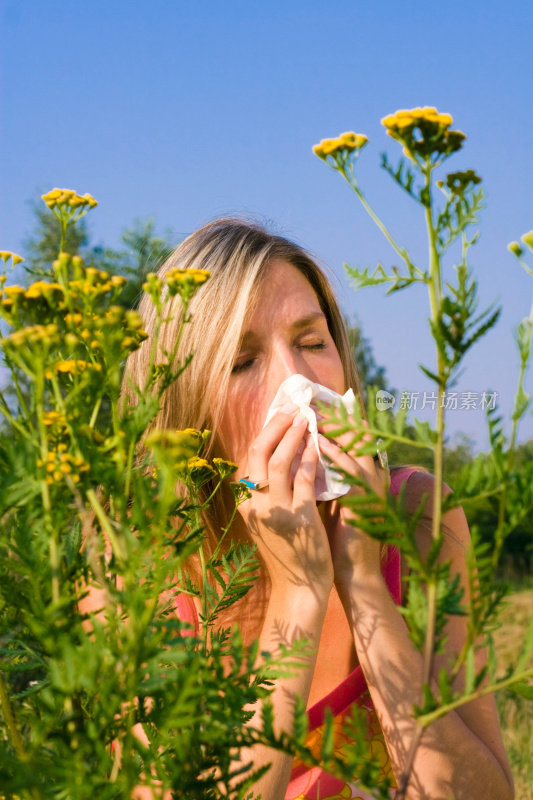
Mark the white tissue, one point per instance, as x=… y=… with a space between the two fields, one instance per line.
x=302 y=392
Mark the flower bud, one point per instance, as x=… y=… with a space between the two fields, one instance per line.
x=527 y=238
x=515 y=249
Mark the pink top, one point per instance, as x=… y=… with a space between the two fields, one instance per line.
x=314 y=783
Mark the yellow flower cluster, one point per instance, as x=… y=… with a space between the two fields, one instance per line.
x=72 y=366
x=176 y=446
x=341 y=147
x=424 y=132
x=59 y=463
x=117 y=327
x=50 y=291
x=185 y=281
x=37 y=301
x=54 y=420
x=457 y=182
x=95 y=283
x=224 y=468
x=59 y=198
x=32 y=335
x=200 y=470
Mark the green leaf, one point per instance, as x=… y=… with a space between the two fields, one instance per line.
x=522 y=689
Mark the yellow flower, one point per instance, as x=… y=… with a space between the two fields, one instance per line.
x=458 y=181
x=5 y=255
x=185 y=281
x=73 y=319
x=52 y=419
x=51 y=197
x=224 y=468
x=65 y=197
x=14 y=291
x=424 y=132
x=72 y=366
x=96 y=274
x=341 y=147
x=200 y=470
x=43 y=289
x=58 y=198
x=91 y=202
x=33 y=335
x=515 y=249
x=174 y=445
x=527 y=238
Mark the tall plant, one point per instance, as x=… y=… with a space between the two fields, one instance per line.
x=97 y=699
x=450 y=207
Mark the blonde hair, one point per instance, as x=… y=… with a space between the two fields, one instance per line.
x=237 y=252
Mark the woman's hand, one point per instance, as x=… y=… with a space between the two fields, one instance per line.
x=283 y=518
x=356 y=556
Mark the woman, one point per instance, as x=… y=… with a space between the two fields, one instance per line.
x=268 y=312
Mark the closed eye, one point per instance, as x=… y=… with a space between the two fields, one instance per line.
x=242 y=366
x=316 y=346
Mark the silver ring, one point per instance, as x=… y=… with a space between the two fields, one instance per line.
x=254 y=485
x=381 y=455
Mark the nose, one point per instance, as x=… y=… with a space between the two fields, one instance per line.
x=286 y=361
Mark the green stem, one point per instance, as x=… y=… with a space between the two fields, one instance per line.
x=401 y=251
x=435 y=291
x=204 y=599
x=205 y=504
x=131 y=453
x=105 y=522
x=94 y=415
x=9 y=719
x=4 y=409
x=224 y=532
x=45 y=493
x=427 y=719
x=18 y=390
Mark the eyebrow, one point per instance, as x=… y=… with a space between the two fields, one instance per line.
x=299 y=324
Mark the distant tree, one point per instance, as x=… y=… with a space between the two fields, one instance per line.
x=370 y=373
x=143 y=251
x=41 y=246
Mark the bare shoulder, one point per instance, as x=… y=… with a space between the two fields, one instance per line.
x=420 y=489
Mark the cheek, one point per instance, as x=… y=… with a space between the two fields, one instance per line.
x=241 y=422
x=333 y=373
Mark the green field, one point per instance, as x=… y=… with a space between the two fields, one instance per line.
x=515 y=712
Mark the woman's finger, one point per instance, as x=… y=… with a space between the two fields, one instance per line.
x=280 y=466
x=360 y=466
x=263 y=446
x=304 y=479
x=351 y=441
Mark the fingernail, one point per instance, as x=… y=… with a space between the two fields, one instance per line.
x=288 y=408
x=299 y=419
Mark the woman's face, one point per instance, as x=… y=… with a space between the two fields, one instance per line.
x=287 y=334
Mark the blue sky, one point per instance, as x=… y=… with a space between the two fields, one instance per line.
x=186 y=111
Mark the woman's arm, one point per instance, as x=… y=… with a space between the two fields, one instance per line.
x=293 y=545
x=461 y=755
